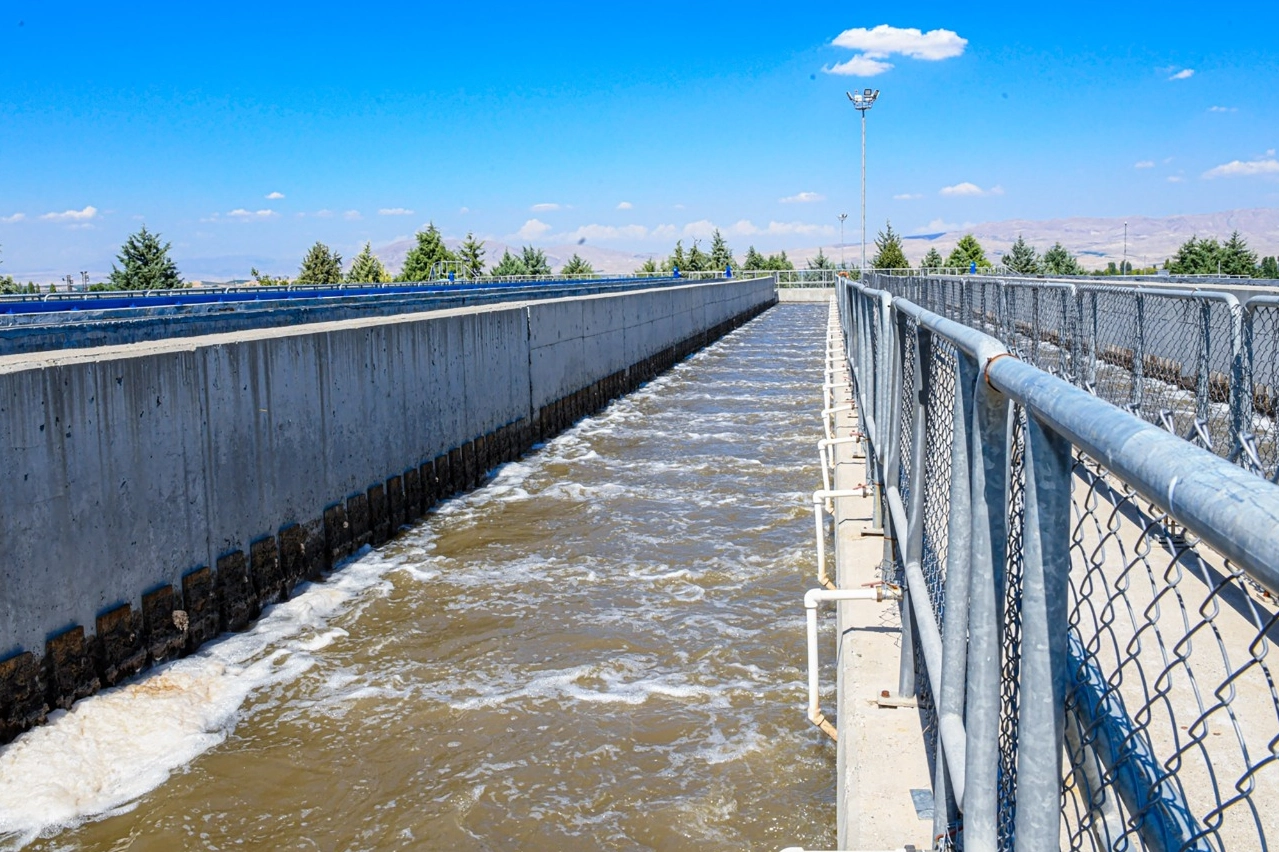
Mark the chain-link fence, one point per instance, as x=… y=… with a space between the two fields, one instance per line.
x=1195 y=362
x=1089 y=599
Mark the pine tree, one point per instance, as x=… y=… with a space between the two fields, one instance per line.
x=677 y=260
x=721 y=254
x=321 y=265
x=509 y=265
x=778 y=262
x=754 y=260
x=698 y=260
x=648 y=267
x=932 y=260
x=472 y=256
x=821 y=261
x=1236 y=258
x=146 y=265
x=1023 y=259
x=967 y=252
x=889 y=254
x=422 y=260
x=1269 y=268
x=262 y=279
x=1196 y=257
x=577 y=266
x=1058 y=261
x=535 y=262
x=367 y=268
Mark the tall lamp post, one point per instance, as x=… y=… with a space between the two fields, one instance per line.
x=842 y=217
x=863 y=101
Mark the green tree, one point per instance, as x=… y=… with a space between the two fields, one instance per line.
x=677 y=260
x=889 y=254
x=821 y=261
x=649 y=267
x=367 y=268
x=1023 y=259
x=321 y=265
x=422 y=259
x=146 y=265
x=1196 y=257
x=7 y=284
x=967 y=252
x=264 y=280
x=472 y=256
x=721 y=254
x=534 y=260
x=698 y=260
x=778 y=262
x=1237 y=258
x=577 y=266
x=1269 y=268
x=754 y=260
x=1058 y=261
x=932 y=260
x=510 y=265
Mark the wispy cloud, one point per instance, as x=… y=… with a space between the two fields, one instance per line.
x=1223 y=109
x=395 y=211
x=625 y=205
x=464 y=210
x=747 y=228
x=907 y=196
x=878 y=44
x=544 y=207
x=72 y=215
x=936 y=226
x=247 y=215
x=1183 y=74
x=274 y=196
x=323 y=214
x=1240 y=168
x=16 y=217
x=970 y=189
x=352 y=216
x=532 y=230
x=1176 y=179
x=604 y=232
x=802 y=198
x=1144 y=164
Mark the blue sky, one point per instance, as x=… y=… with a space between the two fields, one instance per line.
x=243 y=130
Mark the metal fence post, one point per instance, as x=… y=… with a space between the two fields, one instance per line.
x=914 y=544
x=1045 y=578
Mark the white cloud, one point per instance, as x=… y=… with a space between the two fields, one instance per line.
x=665 y=232
x=625 y=205
x=352 y=216
x=1144 y=164
x=16 y=217
x=1176 y=179
x=907 y=196
x=247 y=215
x=859 y=66
x=936 y=226
x=323 y=214
x=464 y=210
x=605 y=232
x=1222 y=109
x=544 y=207
x=1183 y=74
x=701 y=229
x=678 y=206
x=802 y=198
x=965 y=188
x=532 y=230
x=72 y=215
x=883 y=41
x=747 y=228
x=395 y=211
x=1239 y=168
x=274 y=196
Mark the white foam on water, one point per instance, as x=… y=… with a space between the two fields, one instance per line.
x=113 y=748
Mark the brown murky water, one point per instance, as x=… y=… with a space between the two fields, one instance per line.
x=600 y=649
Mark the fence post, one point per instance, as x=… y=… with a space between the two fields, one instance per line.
x=1045 y=581
x=1203 y=383
x=914 y=545
x=1241 y=389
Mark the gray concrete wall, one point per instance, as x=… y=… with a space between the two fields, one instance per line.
x=127 y=468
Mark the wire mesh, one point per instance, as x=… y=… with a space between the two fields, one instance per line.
x=1262 y=345
x=1169 y=664
x=938 y=449
x=1010 y=649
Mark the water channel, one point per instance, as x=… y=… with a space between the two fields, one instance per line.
x=602 y=648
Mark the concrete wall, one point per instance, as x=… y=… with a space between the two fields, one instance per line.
x=158 y=493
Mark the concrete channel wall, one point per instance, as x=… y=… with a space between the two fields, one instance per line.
x=159 y=493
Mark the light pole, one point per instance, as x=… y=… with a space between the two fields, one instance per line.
x=842 y=217
x=1123 y=267
x=863 y=101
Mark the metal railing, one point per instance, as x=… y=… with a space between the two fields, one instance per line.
x=1087 y=599
x=1195 y=361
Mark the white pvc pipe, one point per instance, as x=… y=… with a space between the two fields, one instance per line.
x=818 y=498
x=828 y=459
x=812 y=598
